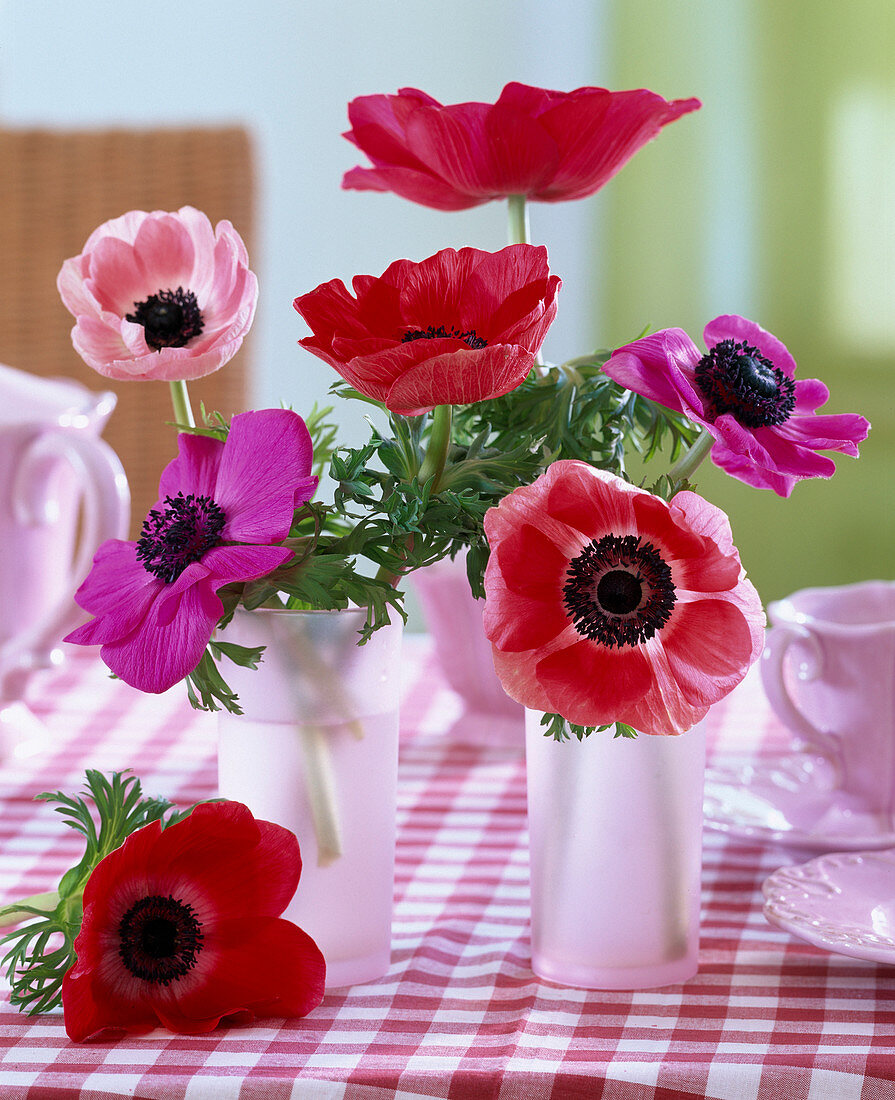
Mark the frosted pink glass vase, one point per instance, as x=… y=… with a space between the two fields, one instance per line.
x=454 y=620
x=615 y=834
x=317 y=751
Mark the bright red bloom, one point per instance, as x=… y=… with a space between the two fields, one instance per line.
x=548 y=146
x=461 y=326
x=744 y=392
x=604 y=603
x=182 y=928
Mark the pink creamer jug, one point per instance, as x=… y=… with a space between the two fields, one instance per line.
x=62 y=492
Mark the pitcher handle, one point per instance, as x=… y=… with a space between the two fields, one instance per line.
x=105 y=514
x=777 y=644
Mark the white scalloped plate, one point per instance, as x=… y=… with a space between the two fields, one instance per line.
x=792 y=798
x=843 y=902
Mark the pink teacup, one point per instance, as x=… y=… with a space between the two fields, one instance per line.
x=829 y=673
x=62 y=493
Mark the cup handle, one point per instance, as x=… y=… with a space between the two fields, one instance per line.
x=779 y=639
x=105 y=514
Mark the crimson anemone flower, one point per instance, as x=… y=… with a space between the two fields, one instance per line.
x=222 y=509
x=604 y=603
x=548 y=146
x=461 y=326
x=160 y=295
x=744 y=392
x=182 y=928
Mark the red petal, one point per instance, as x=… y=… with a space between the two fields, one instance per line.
x=460 y=378
x=709 y=645
x=591 y=685
x=265 y=965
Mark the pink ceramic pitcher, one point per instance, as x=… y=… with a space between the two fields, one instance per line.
x=62 y=492
x=829 y=673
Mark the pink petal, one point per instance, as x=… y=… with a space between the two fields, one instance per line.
x=165 y=253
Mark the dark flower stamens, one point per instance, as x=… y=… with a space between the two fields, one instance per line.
x=160 y=939
x=736 y=378
x=619 y=591
x=170 y=319
x=172 y=539
x=468 y=337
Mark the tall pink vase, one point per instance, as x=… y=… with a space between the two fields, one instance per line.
x=615 y=836
x=317 y=752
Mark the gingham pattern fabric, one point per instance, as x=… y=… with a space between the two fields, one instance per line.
x=460 y=1015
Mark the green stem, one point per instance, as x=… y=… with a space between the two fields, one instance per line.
x=15 y=913
x=437 y=450
x=518 y=223
x=687 y=464
x=180 y=399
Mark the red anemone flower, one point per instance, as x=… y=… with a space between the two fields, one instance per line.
x=744 y=392
x=548 y=146
x=223 y=510
x=461 y=326
x=604 y=603
x=182 y=928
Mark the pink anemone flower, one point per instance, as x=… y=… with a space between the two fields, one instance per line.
x=604 y=603
x=161 y=296
x=743 y=391
x=182 y=929
x=458 y=327
x=548 y=146
x=222 y=510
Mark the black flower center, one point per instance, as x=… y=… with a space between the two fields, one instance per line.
x=619 y=591
x=170 y=319
x=736 y=378
x=441 y=333
x=159 y=939
x=180 y=534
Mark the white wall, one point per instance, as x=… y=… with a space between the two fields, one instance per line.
x=287 y=70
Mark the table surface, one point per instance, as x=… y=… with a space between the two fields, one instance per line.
x=460 y=1015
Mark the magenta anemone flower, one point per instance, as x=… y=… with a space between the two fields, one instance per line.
x=223 y=509
x=547 y=146
x=161 y=295
x=743 y=391
x=182 y=929
x=606 y=604
x=461 y=326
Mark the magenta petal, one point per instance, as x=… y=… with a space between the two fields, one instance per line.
x=169 y=642
x=834 y=432
x=661 y=368
x=118 y=591
x=731 y=326
x=267 y=452
x=195 y=470
x=227 y=564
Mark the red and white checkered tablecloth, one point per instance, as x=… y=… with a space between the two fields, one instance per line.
x=460 y=1015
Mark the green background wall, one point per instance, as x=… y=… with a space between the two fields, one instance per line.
x=788 y=168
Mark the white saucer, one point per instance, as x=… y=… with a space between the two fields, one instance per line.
x=844 y=902
x=792 y=797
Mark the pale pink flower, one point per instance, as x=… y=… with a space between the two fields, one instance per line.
x=160 y=296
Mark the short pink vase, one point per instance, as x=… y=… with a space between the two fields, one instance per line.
x=317 y=752
x=615 y=839
x=454 y=621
